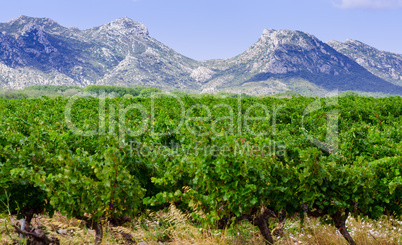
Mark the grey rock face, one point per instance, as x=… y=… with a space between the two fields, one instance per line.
x=10 y=53
x=119 y=53
x=284 y=56
x=40 y=51
x=286 y=51
x=383 y=64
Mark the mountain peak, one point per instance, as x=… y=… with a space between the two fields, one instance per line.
x=354 y=42
x=285 y=38
x=128 y=24
x=24 y=20
x=386 y=65
x=270 y=32
x=20 y=19
x=39 y=51
x=347 y=42
x=124 y=21
x=267 y=32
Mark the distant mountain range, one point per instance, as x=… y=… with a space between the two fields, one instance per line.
x=40 y=51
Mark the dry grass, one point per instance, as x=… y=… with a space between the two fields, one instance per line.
x=364 y=231
x=174 y=227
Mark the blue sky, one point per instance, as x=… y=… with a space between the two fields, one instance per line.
x=208 y=29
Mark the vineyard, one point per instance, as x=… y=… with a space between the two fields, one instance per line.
x=221 y=160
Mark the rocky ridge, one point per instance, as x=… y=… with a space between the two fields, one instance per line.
x=385 y=65
x=122 y=52
x=294 y=60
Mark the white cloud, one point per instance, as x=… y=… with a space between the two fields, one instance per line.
x=368 y=4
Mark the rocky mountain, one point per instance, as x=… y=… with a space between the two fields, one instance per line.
x=385 y=65
x=295 y=60
x=40 y=51
x=120 y=53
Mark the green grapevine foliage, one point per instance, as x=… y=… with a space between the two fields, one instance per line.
x=228 y=159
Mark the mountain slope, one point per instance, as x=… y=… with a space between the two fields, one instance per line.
x=294 y=60
x=120 y=52
x=40 y=51
x=385 y=65
x=146 y=61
